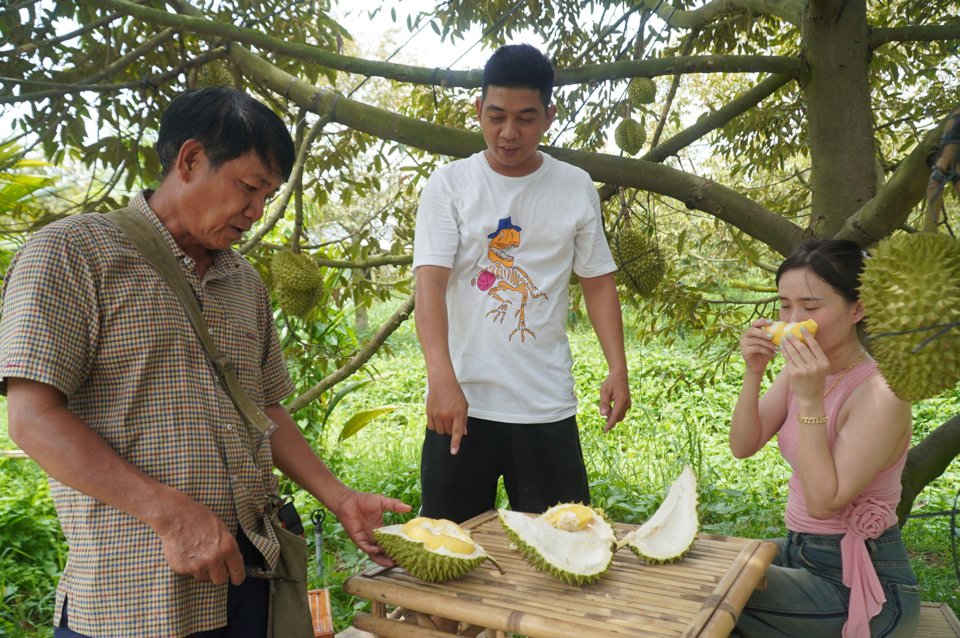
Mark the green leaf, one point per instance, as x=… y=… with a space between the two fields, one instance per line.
x=359 y=420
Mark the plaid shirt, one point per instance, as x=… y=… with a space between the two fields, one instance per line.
x=85 y=313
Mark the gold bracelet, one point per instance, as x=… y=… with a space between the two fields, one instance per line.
x=812 y=420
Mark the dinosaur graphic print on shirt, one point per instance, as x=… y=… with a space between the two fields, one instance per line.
x=502 y=279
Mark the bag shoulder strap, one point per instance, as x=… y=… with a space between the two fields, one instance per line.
x=152 y=246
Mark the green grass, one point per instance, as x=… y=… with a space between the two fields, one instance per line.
x=670 y=424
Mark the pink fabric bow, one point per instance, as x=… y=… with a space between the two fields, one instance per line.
x=867 y=518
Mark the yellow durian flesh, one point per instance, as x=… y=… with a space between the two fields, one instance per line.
x=780 y=330
x=437 y=533
x=571 y=517
x=434 y=550
x=670 y=532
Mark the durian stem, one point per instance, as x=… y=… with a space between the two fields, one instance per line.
x=496 y=564
x=941 y=329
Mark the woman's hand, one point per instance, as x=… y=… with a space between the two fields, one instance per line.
x=757 y=347
x=807 y=366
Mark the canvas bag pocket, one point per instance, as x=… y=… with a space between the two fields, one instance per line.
x=289 y=615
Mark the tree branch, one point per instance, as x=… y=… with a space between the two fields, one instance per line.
x=928 y=460
x=917 y=33
x=712 y=121
x=62 y=88
x=370 y=262
x=695 y=192
x=281 y=206
x=358 y=360
x=195 y=22
x=789 y=10
x=30 y=47
x=892 y=204
x=717 y=119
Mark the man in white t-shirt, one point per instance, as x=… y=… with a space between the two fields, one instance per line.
x=497 y=236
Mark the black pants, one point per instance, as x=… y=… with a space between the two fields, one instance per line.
x=541 y=465
x=247 y=604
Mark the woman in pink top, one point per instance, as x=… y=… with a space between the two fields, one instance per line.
x=842 y=569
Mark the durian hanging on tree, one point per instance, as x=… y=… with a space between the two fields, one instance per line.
x=630 y=136
x=910 y=289
x=642 y=91
x=297 y=283
x=640 y=264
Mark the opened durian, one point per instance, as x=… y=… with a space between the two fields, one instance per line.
x=640 y=264
x=670 y=532
x=435 y=550
x=910 y=289
x=779 y=330
x=570 y=541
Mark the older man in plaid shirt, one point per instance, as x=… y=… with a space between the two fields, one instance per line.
x=159 y=483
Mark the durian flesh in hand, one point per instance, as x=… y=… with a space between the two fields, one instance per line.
x=910 y=289
x=435 y=550
x=780 y=330
x=570 y=541
x=670 y=532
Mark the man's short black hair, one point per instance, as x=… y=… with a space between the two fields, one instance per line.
x=229 y=123
x=519 y=66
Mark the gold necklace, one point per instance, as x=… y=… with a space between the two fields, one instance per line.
x=844 y=372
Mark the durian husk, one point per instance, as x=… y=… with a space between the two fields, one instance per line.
x=297 y=282
x=642 y=91
x=575 y=557
x=296 y=303
x=629 y=136
x=640 y=263
x=295 y=271
x=670 y=533
x=910 y=289
x=438 y=564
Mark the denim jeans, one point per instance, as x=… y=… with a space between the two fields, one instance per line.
x=805 y=595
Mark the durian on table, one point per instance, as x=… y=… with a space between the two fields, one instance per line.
x=575 y=544
x=434 y=550
x=570 y=541
x=668 y=534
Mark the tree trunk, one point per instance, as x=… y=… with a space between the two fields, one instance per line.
x=927 y=461
x=842 y=147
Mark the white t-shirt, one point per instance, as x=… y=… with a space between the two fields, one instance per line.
x=510 y=243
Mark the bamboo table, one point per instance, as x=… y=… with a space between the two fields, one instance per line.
x=699 y=596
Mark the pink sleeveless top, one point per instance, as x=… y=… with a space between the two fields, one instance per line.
x=868 y=516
